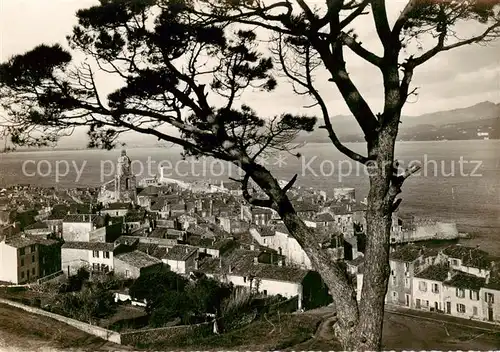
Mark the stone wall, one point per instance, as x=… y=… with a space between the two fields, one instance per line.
x=427 y=230
x=90 y=329
x=148 y=336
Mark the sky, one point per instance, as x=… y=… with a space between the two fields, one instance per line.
x=454 y=79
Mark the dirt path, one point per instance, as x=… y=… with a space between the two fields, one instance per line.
x=408 y=332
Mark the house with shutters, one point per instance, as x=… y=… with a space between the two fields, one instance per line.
x=242 y=268
x=405 y=262
x=490 y=296
x=427 y=288
x=461 y=295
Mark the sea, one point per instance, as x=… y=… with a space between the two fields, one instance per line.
x=458 y=181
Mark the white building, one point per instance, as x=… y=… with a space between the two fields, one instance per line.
x=77 y=227
x=461 y=295
x=132 y=264
x=281 y=241
x=469 y=260
x=242 y=269
x=180 y=258
x=490 y=299
x=94 y=256
x=427 y=288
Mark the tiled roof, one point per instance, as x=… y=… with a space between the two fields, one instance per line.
x=463 y=280
x=127 y=240
x=149 y=191
x=196 y=230
x=178 y=206
x=214 y=243
x=152 y=249
x=138 y=259
x=19 y=241
x=91 y=246
x=281 y=228
x=80 y=218
x=324 y=217
x=494 y=281
x=242 y=263
x=159 y=232
x=233 y=186
x=180 y=252
x=37 y=225
x=407 y=253
x=257 y=210
x=434 y=272
x=158 y=204
x=356 y=262
x=472 y=257
x=115 y=206
x=135 y=216
x=305 y=207
x=266 y=231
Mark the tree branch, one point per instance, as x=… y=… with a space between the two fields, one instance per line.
x=403 y=18
x=381 y=23
x=308 y=84
x=358 y=49
x=353 y=15
x=441 y=47
x=265 y=203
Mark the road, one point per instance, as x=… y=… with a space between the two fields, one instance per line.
x=416 y=330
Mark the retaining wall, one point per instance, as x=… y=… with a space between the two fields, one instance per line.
x=90 y=329
x=147 y=336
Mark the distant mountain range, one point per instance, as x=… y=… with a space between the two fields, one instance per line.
x=480 y=121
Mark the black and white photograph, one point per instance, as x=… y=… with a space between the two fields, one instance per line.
x=249 y=175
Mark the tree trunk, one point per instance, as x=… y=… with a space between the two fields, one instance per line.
x=378 y=229
x=358 y=326
x=335 y=277
x=332 y=272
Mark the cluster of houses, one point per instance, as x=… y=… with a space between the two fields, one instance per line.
x=457 y=280
x=207 y=228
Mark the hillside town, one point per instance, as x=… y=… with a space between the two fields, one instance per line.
x=129 y=228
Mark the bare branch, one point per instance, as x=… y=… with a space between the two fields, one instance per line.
x=491 y=30
x=290 y=184
x=357 y=48
x=355 y=14
x=381 y=23
x=403 y=18
x=265 y=203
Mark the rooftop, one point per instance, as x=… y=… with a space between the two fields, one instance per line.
x=138 y=259
x=407 y=253
x=472 y=257
x=434 y=272
x=212 y=243
x=91 y=246
x=463 y=280
x=324 y=217
x=20 y=241
x=149 y=191
x=494 y=281
x=37 y=225
x=242 y=263
x=80 y=218
x=116 y=206
x=180 y=252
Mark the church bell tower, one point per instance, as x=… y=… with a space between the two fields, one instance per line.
x=125 y=181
